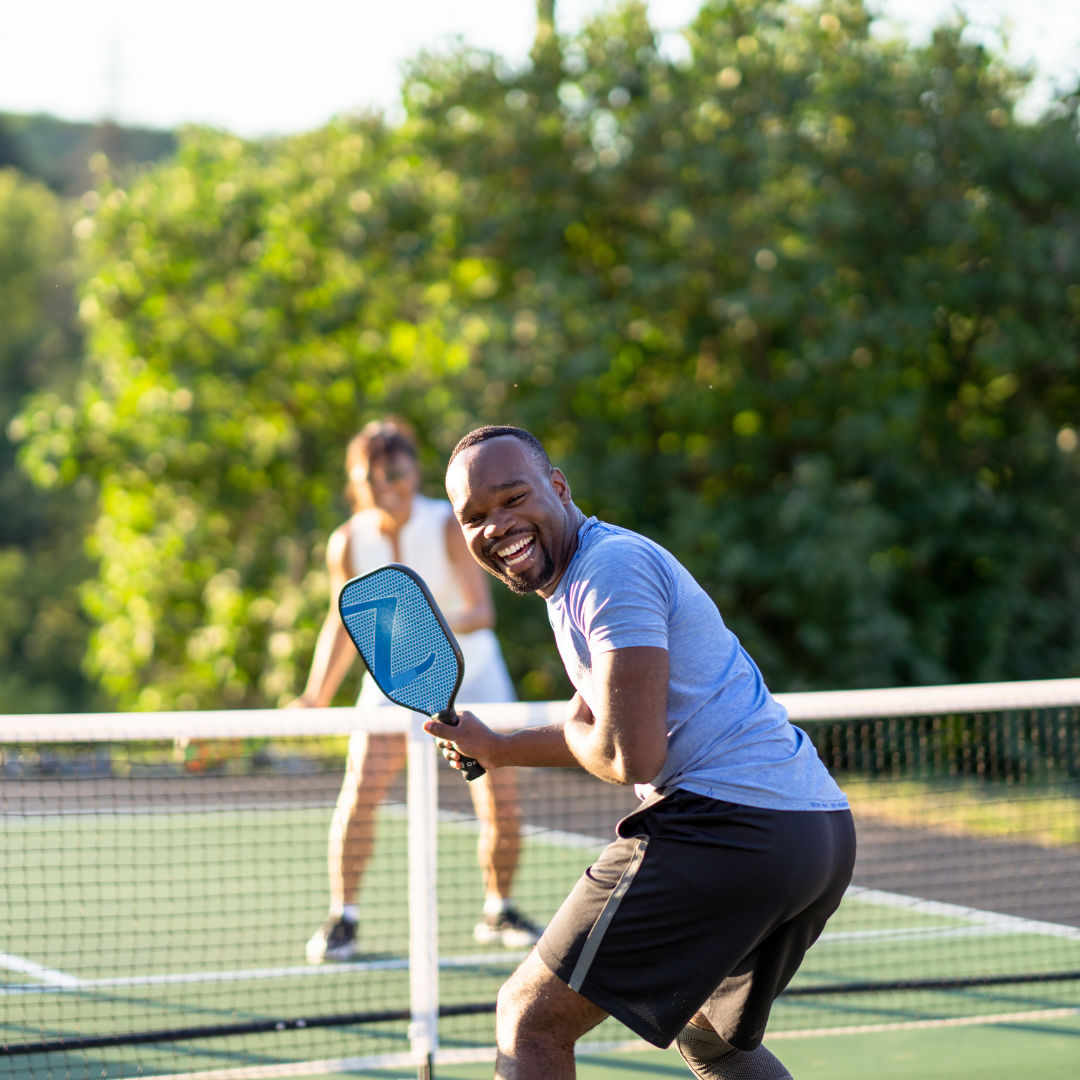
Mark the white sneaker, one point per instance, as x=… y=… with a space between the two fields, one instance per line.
x=335 y=941
x=509 y=928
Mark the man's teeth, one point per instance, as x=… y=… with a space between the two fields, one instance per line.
x=507 y=553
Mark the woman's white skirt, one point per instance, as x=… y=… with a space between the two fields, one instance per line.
x=486 y=677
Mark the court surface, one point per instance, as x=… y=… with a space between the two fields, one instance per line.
x=126 y=920
x=1042 y=1050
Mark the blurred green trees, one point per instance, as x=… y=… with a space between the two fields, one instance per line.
x=42 y=630
x=805 y=309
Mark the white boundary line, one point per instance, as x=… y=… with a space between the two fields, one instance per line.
x=919 y=1025
x=1012 y=924
x=60 y=981
x=914 y=933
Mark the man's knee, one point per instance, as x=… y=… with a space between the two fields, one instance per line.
x=511 y=1007
x=535 y=1003
x=523 y=992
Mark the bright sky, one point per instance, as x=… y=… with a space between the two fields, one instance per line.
x=260 y=66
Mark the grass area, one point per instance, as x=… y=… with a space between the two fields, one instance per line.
x=1045 y=815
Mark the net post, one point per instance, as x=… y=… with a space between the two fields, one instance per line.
x=423 y=796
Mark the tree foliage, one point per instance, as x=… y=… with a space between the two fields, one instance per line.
x=805 y=309
x=42 y=632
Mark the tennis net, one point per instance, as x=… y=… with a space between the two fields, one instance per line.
x=162 y=874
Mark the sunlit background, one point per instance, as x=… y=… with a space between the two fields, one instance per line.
x=257 y=68
x=795 y=293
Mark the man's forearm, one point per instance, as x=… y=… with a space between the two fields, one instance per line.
x=543 y=747
x=596 y=754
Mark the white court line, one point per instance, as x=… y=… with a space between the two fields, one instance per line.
x=918 y=1025
x=59 y=979
x=1009 y=923
x=913 y=933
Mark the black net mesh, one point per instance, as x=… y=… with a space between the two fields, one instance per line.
x=158 y=898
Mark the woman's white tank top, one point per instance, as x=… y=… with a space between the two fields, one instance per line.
x=421 y=544
x=422 y=547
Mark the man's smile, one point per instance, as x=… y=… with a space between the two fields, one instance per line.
x=516 y=552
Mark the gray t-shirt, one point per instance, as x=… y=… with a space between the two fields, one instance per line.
x=727 y=738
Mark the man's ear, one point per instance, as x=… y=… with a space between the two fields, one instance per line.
x=561 y=486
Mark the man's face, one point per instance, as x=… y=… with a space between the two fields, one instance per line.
x=518 y=520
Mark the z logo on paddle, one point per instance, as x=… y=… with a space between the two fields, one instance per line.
x=385 y=620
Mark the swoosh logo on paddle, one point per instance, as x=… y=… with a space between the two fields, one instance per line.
x=385 y=621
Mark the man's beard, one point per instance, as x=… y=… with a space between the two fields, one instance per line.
x=524 y=584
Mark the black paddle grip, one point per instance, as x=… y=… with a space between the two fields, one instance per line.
x=471 y=769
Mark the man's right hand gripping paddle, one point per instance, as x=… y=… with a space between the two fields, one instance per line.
x=402 y=637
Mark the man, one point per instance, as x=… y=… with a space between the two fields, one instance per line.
x=694 y=920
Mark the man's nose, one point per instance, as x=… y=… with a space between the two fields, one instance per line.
x=498 y=524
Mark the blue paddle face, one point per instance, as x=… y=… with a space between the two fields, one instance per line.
x=398 y=629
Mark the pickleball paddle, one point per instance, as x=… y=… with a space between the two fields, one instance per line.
x=401 y=635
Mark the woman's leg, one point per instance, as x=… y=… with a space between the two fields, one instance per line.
x=373 y=764
x=495 y=797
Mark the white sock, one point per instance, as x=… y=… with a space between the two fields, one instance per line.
x=350 y=913
x=497 y=905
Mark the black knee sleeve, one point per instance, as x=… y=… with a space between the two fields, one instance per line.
x=711 y=1058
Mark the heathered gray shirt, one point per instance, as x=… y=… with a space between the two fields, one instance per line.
x=727 y=737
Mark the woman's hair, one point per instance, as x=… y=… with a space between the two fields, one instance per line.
x=379 y=439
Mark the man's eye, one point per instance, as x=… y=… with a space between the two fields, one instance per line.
x=515 y=498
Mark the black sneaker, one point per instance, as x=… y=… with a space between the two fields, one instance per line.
x=335 y=941
x=509 y=928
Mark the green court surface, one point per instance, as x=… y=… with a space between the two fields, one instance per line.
x=116 y=922
x=1038 y=1050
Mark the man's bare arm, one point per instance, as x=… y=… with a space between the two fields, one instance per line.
x=626 y=741
x=539 y=747
x=625 y=744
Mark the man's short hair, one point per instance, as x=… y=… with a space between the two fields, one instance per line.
x=497 y=431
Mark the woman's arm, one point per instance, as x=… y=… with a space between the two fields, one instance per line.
x=334 y=652
x=478 y=612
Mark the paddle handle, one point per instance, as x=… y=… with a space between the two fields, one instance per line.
x=470 y=767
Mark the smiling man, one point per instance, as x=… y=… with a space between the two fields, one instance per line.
x=698 y=915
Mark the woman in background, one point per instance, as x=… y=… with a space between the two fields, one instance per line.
x=392 y=522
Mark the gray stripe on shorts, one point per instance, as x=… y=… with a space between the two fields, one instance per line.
x=596 y=934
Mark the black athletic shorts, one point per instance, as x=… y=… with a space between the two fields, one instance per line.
x=700 y=905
